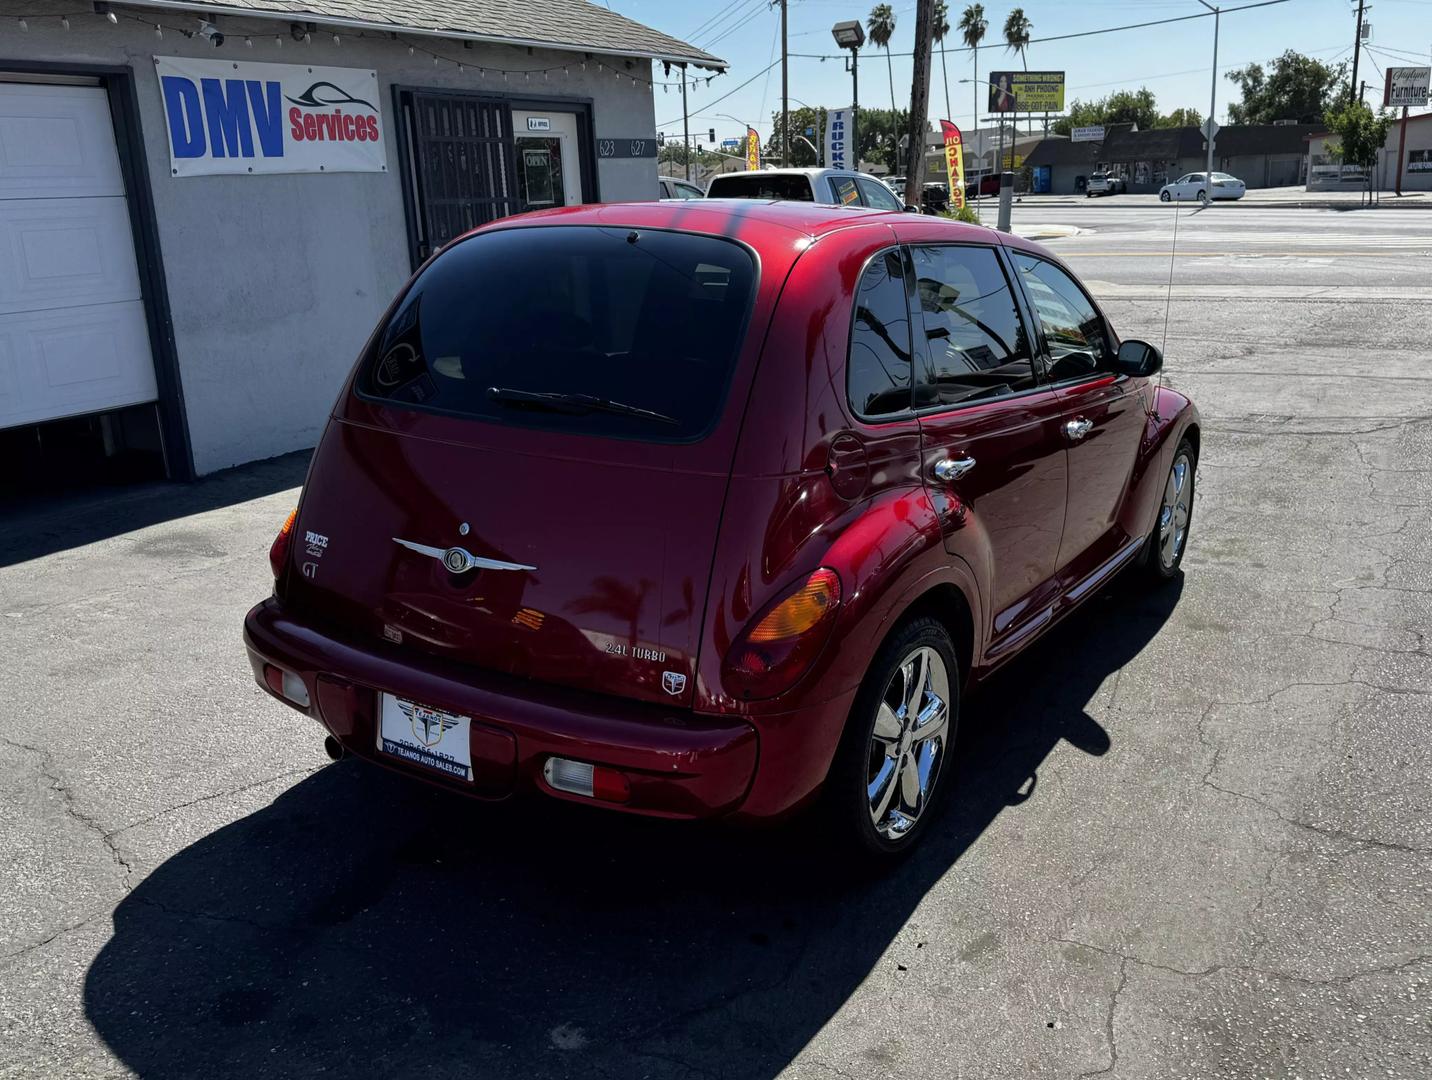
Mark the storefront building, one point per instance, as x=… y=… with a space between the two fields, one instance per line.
x=206 y=207
x=1326 y=171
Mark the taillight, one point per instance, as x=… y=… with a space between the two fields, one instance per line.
x=278 y=553
x=779 y=647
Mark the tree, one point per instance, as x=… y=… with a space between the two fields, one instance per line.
x=1181 y=117
x=1360 y=132
x=881 y=25
x=973 y=26
x=1016 y=40
x=941 y=28
x=1293 y=87
x=878 y=130
x=801 y=155
x=1121 y=107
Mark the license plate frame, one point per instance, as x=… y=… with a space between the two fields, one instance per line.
x=436 y=740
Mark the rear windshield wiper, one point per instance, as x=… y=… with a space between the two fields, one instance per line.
x=574 y=403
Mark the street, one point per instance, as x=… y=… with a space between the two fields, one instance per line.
x=1190 y=833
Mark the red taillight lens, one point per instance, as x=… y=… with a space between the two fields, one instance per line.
x=778 y=648
x=278 y=553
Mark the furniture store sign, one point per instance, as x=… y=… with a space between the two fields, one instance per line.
x=236 y=117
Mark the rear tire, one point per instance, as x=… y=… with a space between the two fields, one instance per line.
x=1164 y=549
x=891 y=766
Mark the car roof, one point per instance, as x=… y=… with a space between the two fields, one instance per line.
x=752 y=220
x=807 y=171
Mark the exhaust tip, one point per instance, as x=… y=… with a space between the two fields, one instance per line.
x=333 y=748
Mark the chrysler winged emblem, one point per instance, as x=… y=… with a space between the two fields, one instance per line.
x=673 y=682
x=459 y=560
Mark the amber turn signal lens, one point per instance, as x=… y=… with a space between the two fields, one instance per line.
x=278 y=553
x=800 y=611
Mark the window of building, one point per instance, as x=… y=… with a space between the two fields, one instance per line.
x=978 y=345
x=878 y=372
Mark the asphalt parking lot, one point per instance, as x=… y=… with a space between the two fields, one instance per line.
x=1192 y=837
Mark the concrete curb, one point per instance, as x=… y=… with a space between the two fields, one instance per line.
x=1046 y=232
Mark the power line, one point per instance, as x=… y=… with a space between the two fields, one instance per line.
x=728 y=93
x=739 y=15
x=1079 y=34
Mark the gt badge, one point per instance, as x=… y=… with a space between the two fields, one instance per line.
x=673 y=682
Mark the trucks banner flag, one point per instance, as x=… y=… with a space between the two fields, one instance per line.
x=238 y=117
x=1026 y=91
x=954 y=163
x=839 y=150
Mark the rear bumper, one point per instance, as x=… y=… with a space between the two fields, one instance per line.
x=678 y=764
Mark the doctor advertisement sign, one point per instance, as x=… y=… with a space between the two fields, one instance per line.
x=237 y=117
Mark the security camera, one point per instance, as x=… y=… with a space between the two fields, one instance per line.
x=211 y=33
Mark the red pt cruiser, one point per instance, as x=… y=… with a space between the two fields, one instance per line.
x=710 y=508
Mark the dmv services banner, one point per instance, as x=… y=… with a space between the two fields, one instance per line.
x=229 y=116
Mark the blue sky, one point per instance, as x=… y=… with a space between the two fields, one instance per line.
x=1173 y=60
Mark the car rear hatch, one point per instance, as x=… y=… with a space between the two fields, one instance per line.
x=456 y=508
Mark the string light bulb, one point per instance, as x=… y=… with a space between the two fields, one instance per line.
x=336 y=41
x=24 y=26
x=410 y=50
x=112 y=17
x=159 y=31
x=248 y=42
x=65 y=21
x=277 y=42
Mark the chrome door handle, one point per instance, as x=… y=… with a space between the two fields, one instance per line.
x=953 y=468
x=1077 y=429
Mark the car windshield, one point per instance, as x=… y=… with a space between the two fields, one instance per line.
x=757 y=185
x=604 y=331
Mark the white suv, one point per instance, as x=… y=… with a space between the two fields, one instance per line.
x=832 y=187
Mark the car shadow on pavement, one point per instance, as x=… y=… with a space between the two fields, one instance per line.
x=43 y=525
x=363 y=925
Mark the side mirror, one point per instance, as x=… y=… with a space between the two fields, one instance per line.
x=1138 y=358
x=912 y=209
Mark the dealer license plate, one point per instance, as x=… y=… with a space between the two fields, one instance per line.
x=433 y=738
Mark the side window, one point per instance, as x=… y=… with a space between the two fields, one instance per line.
x=877 y=194
x=845 y=191
x=978 y=345
x=878 y=371
x=1073 y=330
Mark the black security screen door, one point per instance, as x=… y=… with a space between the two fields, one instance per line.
x=460 y=158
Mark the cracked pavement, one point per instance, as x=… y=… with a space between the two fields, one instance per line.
x=1192 y=835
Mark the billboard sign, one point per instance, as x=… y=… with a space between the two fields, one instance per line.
x=839 y=151
x=1026 y=91
x=1093 y=133
x=1406 y=87
x=229 y=116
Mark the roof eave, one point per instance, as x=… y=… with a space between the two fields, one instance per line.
x=697 y=58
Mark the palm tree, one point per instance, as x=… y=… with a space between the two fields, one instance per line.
x=1016 y=40
x=942 y=27
x=881 y=25
x=972 y=31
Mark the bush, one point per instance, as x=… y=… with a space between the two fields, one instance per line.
x=964 y=213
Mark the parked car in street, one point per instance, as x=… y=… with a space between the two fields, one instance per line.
x=832 y=187
x=982 y=186
x=672 y=188
x=559 y=544
x=935 y=198
x=895 y=184
x=1105 y=184
x=1197 y=187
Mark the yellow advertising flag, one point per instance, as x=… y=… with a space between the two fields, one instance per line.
x=753 y=150
x=954 y=163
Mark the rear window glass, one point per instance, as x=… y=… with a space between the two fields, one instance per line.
x=603 y=331
x=755 y=185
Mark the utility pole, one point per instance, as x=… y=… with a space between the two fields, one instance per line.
x=1212 y=93
x=919 y=102
x=685 y=123
x=1357 y=45
x=785 y=93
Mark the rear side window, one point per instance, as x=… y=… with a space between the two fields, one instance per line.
x=602 y=331
x=878 y=372
x=844 y=191
x=756 y=185
x=978 y=345
x=878 y=195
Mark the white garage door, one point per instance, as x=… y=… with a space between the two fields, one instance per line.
x=72 y=333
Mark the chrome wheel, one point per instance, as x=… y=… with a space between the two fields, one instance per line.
x=907 y=744
x=1174 y=514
